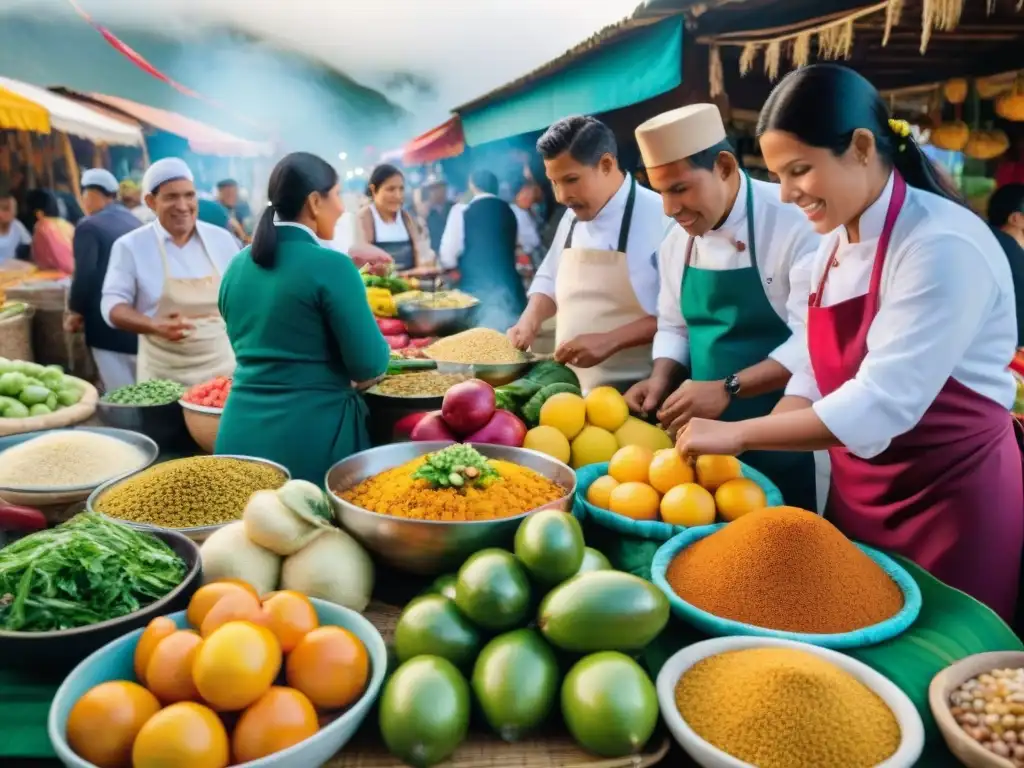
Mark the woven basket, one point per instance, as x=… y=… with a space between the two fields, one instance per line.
x=16 y=337
x=50 y=344
x=65 y=417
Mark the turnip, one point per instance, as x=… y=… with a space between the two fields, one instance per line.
x=230 y=554
x=332 y=567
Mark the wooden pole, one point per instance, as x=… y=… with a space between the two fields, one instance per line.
x=72 y=166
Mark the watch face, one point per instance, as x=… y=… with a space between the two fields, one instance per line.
x=732 y=385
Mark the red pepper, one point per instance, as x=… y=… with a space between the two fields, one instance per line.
x=420 y=343
x=397 y=341
x=389 y=326
x=14 y=518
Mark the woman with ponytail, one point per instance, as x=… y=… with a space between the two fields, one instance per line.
x=302 y=331
x=911 y=325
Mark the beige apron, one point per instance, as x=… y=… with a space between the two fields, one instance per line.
x=206 y=352
x=595 y=295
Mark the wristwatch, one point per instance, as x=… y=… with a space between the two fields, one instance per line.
x=732 y=385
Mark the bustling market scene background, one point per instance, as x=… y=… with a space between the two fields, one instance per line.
x=519 y=385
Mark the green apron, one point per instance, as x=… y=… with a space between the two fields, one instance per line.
x=733 y=326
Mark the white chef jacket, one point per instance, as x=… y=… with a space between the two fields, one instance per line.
x=527 y=235
x=15 y=236
x=946 y=308
x=647 y=230
x=785 y=244
x=135 y=275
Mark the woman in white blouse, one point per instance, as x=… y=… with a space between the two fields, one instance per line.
x=385 y=223
x=911 y=326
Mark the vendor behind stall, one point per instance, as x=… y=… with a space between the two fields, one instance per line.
x=601 y=274
x=384 y=222
x=297 y=316
x=15 y=239
x=163 y=281
x=910 y=327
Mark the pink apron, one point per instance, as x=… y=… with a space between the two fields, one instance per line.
x=948 y=494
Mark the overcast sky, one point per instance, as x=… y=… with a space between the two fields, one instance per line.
x=463 y=48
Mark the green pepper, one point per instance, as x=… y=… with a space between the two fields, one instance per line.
x=32 y=394
x=12 y=383
x=12 y=409
x=39 y=409
x=69 y=396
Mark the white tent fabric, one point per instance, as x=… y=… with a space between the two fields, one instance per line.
x=74 y=118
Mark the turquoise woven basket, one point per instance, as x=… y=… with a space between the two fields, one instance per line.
x=719 y=627
x=655 y=530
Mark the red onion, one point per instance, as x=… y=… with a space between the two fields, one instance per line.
x=504 y=428
x=432 y=427
x=468 y=406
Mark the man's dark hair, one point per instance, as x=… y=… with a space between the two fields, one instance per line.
x=586 y=139
x=1005 y=201
x=105 y=192
x=705 y=159
x=485 y=181
x=225 y=183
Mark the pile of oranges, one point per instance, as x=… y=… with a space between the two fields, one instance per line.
x=250 y=678
x=662 y=486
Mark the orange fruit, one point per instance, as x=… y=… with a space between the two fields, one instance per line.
x=330 y=665
x=183 y=734
x=280 y=718
x=688 y=504
x=237 y=606
x=239 y=582
x=290 y=615
x=712 y=470
x=636 y=500
x=668 y=469
x=207 y=596
x=236 y=665
x=600 y=491
x=155 y=631
x=169 y=673
x=630 y=464
x=735 y=498
x=103 y=724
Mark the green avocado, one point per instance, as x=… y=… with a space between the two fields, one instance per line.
x=594 y=561
x=432 y=626
x=442 y=585
x=516 y=682
x=603 y=611
x=424 y=711
x=609 y=704
x=493 y=590
x=550 y=544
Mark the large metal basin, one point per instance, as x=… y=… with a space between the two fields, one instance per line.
x=431 y=546
x=424 y=320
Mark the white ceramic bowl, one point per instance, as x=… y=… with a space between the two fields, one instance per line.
x=911 y=728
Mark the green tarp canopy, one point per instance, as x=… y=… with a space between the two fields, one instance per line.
x=642 y=65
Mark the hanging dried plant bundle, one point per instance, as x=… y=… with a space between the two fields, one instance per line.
x=715 y=74
x=747 y=58
x=801 y=53
x=772 y=55
x=893 y=14
x=941 y=15
x=836 y=41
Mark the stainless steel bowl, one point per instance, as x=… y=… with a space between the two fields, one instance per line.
x=494 y=374
x=165 y=424
x=38 y=496
x=197 y=533
x=432 y=546
x=423 y=320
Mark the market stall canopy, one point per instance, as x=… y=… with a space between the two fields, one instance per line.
x=440 y=143
x=20 y=114
x=624 y=64
x=69 y=116
x=202 y=139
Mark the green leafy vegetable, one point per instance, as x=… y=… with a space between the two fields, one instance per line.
x=456 y=466
x=88 y=570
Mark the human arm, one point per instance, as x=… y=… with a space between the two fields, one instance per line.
x=590 y=349
x=364 y=351
x=453 y=239
x=119 y=297
x=541 y=305
x=86 y=249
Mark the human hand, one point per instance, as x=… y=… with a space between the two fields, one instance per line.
x=693 y=399
x=704 y=436
x=173 y=327
x=523 y=333
x=645 y=396
x=586 y=350
x=73 y=322
x=375 y=259
x=362 y=386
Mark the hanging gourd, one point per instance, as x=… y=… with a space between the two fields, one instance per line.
x=986 y=145
x=1010 y=106
x=990 y=87
x=955 y=90
x=951 y=136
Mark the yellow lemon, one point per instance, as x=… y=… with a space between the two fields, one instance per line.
x=668 y=469
x=592 y=445
x=736 y=498
x=606 y=408
x=600 y=491
x=712 y=470
x=637 y=432
x=688 y=504
x=630 y=464
x=565 y=412
x=548 y=440
x=636 y=500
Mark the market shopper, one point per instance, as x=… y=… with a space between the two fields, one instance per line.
x=52 y=236
x=15 y=239
x=131 y=198
x=163 y=281
x=910 y=329
x=303 y=332
x=734 y=284
x=106 y=220
x=384 y=222
x=480 y=242
x=600 y=276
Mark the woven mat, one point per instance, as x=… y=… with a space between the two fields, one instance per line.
x=483 y=750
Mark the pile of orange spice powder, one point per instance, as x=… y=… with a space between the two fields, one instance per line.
x=786 y=569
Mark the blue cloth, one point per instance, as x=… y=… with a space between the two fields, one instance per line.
x=719 y=627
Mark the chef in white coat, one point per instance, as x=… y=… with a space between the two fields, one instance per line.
x=601 y=274
x=734 y=285
x=164 y=279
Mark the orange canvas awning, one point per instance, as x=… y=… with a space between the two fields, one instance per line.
x=20 y=114
x=202 y=139
x=440 y=143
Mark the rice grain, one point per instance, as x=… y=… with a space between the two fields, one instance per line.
x=67 y=458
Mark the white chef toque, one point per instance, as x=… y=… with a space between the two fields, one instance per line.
x=162 y=171
x=679 y=134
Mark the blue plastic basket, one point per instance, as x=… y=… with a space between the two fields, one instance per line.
x=719 y=627
x=655 y=530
